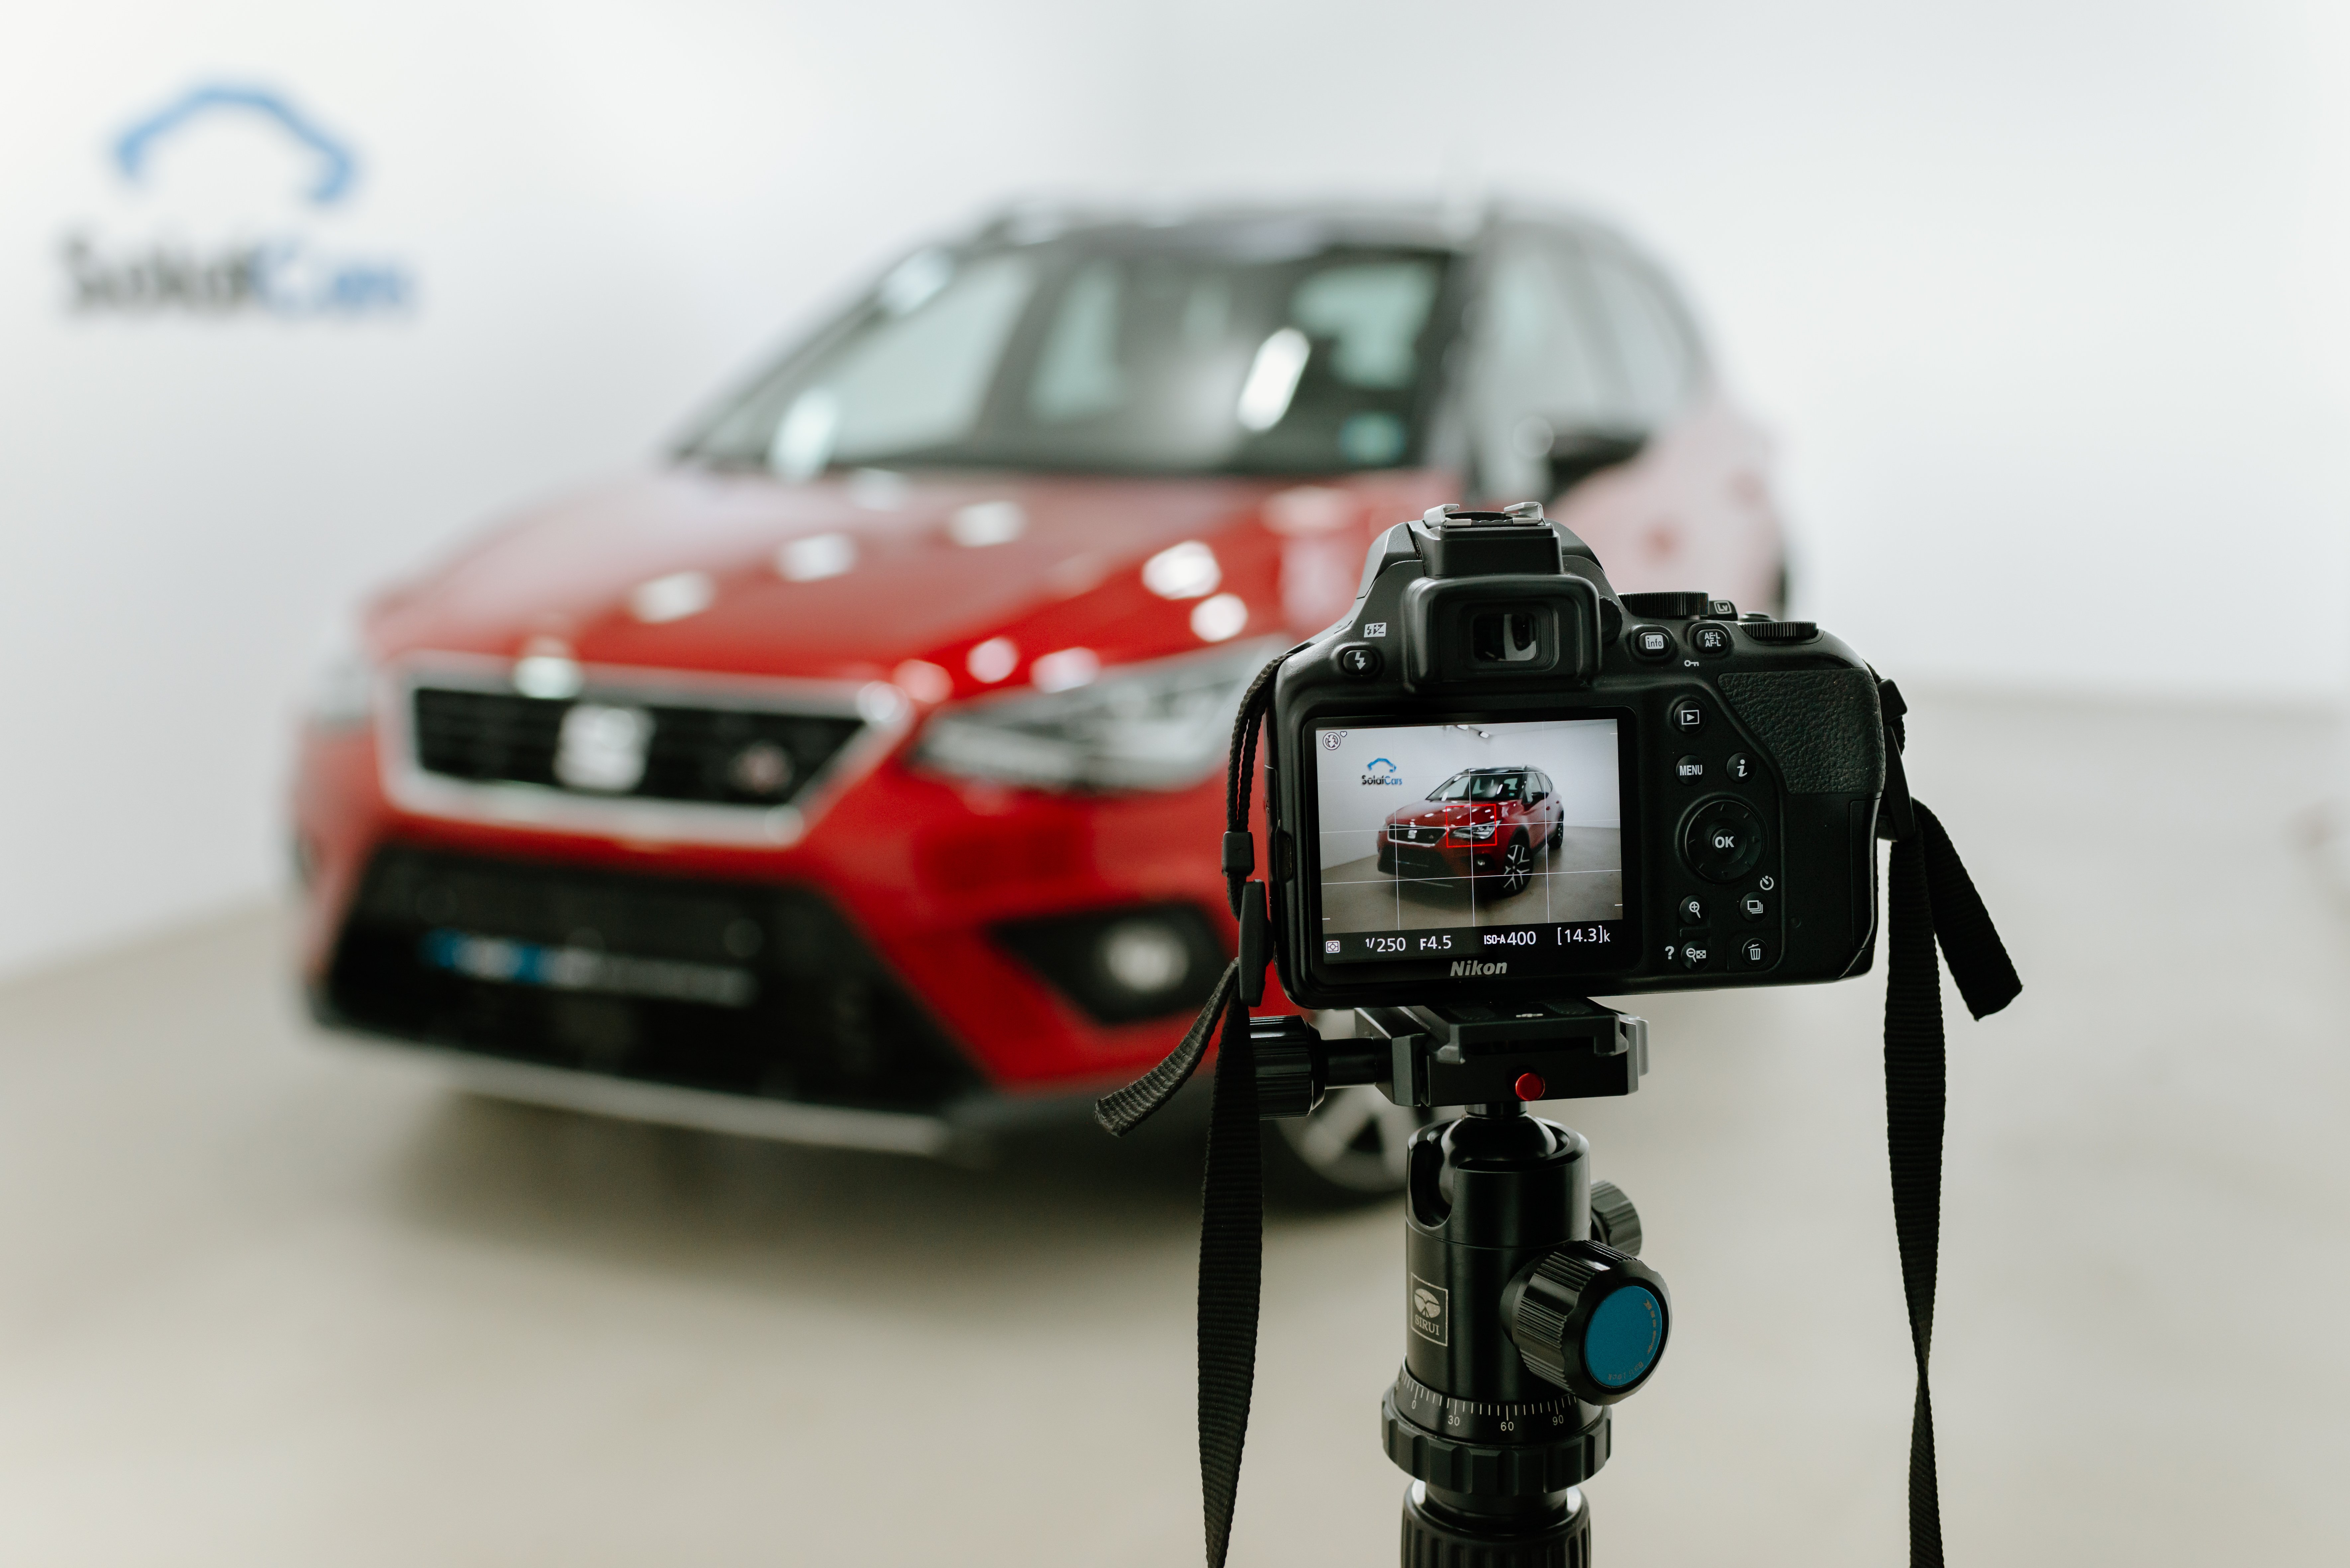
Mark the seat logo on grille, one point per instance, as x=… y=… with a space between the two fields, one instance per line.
x=761 y=768
x=602 y=748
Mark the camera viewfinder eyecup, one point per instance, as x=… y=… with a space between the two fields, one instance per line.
x=1496 y=606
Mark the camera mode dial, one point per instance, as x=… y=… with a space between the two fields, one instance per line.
x=1589 y=1318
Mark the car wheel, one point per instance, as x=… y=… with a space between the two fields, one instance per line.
x=1347 y=1150
x=1558 y=833
x=1517 y=867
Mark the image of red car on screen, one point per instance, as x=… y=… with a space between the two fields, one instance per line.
x=1483 y=822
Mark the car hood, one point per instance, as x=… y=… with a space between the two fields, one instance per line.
x=848 y=577
x=1437 y=813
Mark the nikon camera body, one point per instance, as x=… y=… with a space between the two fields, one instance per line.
x=1499 y=779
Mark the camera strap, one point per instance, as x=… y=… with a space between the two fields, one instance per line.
x=1231 y=1192
x=1930 y=901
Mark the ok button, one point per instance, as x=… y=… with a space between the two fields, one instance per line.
x=1722 y=841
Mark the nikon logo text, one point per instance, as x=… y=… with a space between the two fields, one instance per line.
x=1472 y=966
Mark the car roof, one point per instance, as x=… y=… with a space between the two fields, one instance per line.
x=1267 y=228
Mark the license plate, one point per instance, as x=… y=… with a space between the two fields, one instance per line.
x=506 y=962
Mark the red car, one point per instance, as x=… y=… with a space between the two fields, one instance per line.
x=856 y=776
x=1489 y=822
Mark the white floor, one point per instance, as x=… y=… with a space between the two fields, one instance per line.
x=265 y=1302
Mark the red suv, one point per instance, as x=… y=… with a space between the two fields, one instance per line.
x=855 y=775
x=1489 y=823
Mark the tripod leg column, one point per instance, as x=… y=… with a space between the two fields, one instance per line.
x=1552 y=1532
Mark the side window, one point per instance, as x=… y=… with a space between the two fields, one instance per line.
x=1544 y=366
x=1653 y=350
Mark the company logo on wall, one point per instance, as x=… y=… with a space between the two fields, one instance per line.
x=228 y=198
x=1382 y=771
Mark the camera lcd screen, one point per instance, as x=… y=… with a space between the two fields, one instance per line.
x=1487 y=841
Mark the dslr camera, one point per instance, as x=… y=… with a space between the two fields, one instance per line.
x=1496 y=788
x=1499 y=780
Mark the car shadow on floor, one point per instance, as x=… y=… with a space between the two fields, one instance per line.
x=1052 y=1204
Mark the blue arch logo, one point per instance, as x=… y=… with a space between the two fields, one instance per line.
x=1380 y=771
x=233 y=265
x=337 y=167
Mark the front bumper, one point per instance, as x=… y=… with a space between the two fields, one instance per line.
x=888 y=1006
x=1446 y=858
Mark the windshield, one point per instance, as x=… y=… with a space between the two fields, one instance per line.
x=1477 y=786
x=1093 y=357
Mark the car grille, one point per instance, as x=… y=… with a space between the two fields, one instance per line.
x=720 y=755
x=749 y=988
x=1417 y=834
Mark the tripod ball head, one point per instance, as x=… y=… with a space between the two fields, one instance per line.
x=1589 y=1318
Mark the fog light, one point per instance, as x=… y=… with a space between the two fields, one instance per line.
x=1146 y=957
x=1124 y=964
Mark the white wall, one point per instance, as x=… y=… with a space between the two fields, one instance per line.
x=2043 y=300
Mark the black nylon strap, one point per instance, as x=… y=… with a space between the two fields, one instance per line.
x=1914 y=1094
x=1929 y=897
x=1231 y=1192
x=1123 y=1110
x=1232 y=1276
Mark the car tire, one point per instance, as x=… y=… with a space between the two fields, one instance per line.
x=1350 y=1149
x=1517 y=867
x=1558 y=835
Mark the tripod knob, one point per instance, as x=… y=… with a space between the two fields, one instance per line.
x=1589 y=1318
x=1613 y=1219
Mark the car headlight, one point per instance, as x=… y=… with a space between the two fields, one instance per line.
x=1480 y=831
x=1163 y=725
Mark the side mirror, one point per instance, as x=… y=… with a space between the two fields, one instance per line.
x=1574 y=456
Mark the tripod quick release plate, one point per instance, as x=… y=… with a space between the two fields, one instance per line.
x=1459 y=1054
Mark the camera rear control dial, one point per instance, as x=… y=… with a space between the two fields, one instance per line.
x=1722 y=840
